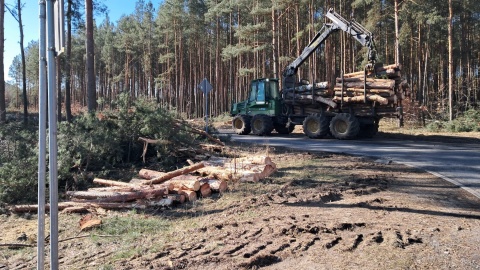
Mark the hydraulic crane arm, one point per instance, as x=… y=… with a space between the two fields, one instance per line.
x=357 y=31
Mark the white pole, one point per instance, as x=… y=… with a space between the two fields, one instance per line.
x=52 y=142
x=42 y=139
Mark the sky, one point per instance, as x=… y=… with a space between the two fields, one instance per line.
x=30 y=14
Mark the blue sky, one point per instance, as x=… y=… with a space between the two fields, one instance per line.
x=30 y=14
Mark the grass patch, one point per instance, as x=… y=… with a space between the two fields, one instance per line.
x=134 y=225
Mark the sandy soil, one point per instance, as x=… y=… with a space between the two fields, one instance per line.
x=319 y=211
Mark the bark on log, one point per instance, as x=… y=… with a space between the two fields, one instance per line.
x=190 y=195
x=185 y=182
x=358 y=79
x=177 y=198
x=205 y=190
x=377 y=98
x=119 y=196
x=360 y=90
x=111 y=183
x=182 y=182
x=83 y=205
x=309 y=87
x=292 y=98
x=115 y=188
x=388 y=84
x=170 y=175
x=149 y=174
x=216 y=185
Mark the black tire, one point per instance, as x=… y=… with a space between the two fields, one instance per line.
x=261 y=124
x=241 y=124
x=315 y=126
x=283 y=129
x=368 y=130
x=344 y=126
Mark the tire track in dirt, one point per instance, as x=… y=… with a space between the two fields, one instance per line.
x=268 y=240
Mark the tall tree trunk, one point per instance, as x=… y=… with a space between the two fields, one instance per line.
x=68 y=104
x=3 y=111
x=450 y=59
x=91 y=91
x=24 y=72
x=397 y=44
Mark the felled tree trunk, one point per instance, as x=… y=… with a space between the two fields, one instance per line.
x=118 y=196
x=215 y=185
x=190 y=195
x=170 y=175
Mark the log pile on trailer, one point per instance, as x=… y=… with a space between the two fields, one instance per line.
x=164 y=189
x=381 y=92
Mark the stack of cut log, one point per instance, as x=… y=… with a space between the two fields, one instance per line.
x=155 y=189
x=385 y=91
x=247 y=169
x=355 y=88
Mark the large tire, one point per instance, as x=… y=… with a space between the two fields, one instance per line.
x=262 y=125
x=241 y=124
x=283 y=129
x=315 y=126
x=344 y=126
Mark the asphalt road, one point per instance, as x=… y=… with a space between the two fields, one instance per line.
x=458 y=163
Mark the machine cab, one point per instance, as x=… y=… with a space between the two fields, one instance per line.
x=263 y=91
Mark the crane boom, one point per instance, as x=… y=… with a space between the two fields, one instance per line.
x=356 y=30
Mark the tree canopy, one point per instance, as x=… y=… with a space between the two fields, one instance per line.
x=164 y=52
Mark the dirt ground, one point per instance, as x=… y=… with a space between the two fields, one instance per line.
x=319 y=211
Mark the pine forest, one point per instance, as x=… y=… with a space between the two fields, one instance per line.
x=164 y=52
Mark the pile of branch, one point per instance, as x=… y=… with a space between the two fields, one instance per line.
x=355 y=88
x=155 y=189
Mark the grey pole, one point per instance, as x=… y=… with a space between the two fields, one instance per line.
x=52 y=140
x=42 y=139
x=206 y=111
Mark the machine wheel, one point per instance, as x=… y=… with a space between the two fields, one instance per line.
x=344 y=126
x=315 y=126
x=241 y=124
x=283 y=129
x=368 y=131
x=261 y=124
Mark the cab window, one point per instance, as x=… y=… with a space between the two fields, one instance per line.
x=253 y=92
x=261 y=92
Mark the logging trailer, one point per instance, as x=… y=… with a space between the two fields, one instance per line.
x=351 y=108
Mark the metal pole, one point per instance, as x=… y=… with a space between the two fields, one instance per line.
x=42 y=138
x=206 y=108
x=52 y=142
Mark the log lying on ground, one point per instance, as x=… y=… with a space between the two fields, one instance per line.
x=170 y=175
x=181 y=182
x=149 y=174
x=113 y=183
x=242 y=169
x=215 y=184
x=190 y=195
x=189 y=182
x=177 y=198
x=79 y=206
x=119 y=196
x=205 y=190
